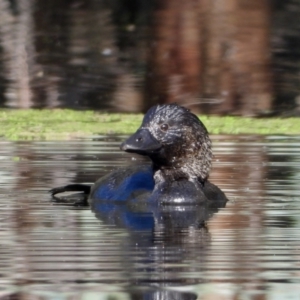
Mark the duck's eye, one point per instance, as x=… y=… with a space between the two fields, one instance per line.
x=164 y=127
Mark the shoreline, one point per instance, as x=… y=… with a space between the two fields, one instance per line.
x=66 y=124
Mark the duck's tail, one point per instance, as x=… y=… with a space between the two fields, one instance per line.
x=85 y=188
x=76 y=199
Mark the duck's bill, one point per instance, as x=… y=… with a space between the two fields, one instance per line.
x=141 y=142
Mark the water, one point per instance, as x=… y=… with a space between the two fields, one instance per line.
x=95 y=54
x=248 y=250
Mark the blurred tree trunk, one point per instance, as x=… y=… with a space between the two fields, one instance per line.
x=237 y=49
x=214 y=53
x=174 y=64
x=16 y=30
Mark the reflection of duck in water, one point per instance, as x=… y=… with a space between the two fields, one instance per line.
x=166 y=246
x=179 y=147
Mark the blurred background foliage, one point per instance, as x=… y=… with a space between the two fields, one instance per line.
x=227 y=57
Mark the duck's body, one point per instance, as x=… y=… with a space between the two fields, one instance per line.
x=137 y=183
x=179 y=147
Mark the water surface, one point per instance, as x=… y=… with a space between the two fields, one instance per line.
x=249 y=249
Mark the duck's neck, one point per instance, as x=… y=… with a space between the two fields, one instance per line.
x=189 y=169
x=192 y=163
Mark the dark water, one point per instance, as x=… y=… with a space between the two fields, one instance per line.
x=94 y=53
x=248 y=250
x=73 y=53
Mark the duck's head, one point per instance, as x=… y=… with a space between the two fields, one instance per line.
x=175 y=140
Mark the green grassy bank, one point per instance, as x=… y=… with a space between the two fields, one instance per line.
x=61 y=124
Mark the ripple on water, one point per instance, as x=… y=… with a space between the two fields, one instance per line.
x=250 y=247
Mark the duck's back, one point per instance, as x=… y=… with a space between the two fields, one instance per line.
x=214 y=193
x=124 y=184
